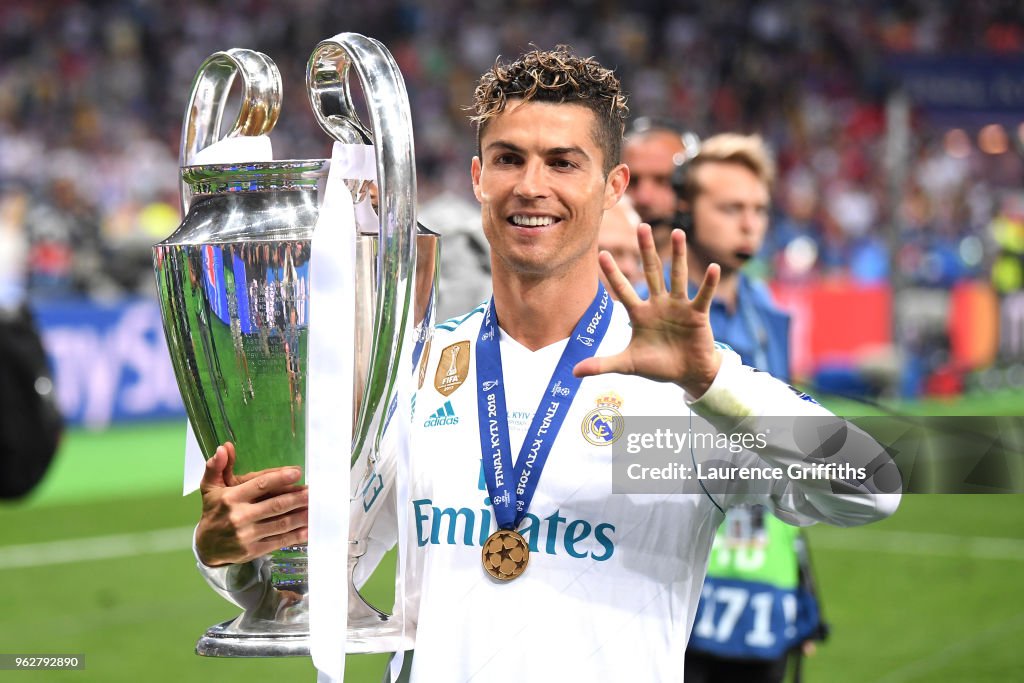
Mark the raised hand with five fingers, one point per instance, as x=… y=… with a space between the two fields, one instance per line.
x=672 y=339
x=247 y=516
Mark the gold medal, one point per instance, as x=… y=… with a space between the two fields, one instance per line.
x=505 y=554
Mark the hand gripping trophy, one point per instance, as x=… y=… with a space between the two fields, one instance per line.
x=235 y=296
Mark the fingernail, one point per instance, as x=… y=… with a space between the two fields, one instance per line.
x=293 y=474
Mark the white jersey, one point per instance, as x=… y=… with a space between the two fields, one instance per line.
x=613 y=579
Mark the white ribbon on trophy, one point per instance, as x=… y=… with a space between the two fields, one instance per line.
x=332 y=274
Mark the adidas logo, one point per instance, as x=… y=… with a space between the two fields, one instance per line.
x=445 y=415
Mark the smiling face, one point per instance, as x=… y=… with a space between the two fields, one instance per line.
x=542 y=191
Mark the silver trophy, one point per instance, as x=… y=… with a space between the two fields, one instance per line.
x=234 y=296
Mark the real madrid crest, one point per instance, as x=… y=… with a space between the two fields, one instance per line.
x=453 y=367
x=604 y=424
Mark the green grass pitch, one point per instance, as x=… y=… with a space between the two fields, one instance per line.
x=931 y=595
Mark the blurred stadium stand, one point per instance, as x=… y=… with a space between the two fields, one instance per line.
x=92 y=95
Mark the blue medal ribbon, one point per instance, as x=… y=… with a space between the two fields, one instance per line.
x=511 y=489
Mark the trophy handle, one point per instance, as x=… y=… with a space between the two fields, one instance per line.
x=257 y=113
x=387 y=103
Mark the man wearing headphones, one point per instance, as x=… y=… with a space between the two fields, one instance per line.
x=723 y=203
x=758 y=567
x=653 y=150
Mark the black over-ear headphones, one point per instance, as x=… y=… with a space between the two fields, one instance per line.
x=680 y=184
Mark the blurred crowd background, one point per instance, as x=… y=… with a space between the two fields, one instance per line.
x=898 y=250
x=92 y=95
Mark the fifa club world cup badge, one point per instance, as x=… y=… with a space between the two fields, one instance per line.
x=604 y=424
x=452 y=368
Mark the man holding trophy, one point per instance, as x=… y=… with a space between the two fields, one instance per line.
x=525 y=566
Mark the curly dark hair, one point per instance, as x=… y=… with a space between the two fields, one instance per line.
x=560 y=76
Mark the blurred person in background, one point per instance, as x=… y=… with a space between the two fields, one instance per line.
x=63 y=240
x=30 y=424
x=617 y=236
x=465 y=256
x=1007 y=274
x=653 y=150
x=14 y=203
x=723 y=205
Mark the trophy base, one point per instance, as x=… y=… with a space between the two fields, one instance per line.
x=279 y=627
x=225 y=640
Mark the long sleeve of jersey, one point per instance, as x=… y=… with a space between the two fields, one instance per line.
x=239 y=583
x=832 y=471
